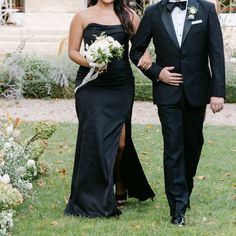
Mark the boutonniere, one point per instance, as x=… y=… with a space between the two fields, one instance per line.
x=192 y=11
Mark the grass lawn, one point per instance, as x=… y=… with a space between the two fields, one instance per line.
x=213 y=200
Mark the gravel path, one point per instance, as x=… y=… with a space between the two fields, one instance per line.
x=60 y=110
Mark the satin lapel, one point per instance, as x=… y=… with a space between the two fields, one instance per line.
x=168 y=23
x=188 y=23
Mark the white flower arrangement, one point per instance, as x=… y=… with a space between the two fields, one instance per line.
x=6 y=221
x=19 y=166
x=5 y=179
x=99 y=54
x=31 y=166
x=192 y=11
x=9 y=198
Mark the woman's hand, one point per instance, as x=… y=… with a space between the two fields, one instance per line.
x=145 y=62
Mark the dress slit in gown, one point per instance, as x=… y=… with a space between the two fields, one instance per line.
x=103 y=106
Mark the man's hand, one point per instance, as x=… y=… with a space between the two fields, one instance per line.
x=170 y=78
x=145 y=62
x=216 y=104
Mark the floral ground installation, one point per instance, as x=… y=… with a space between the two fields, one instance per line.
x=19 y=166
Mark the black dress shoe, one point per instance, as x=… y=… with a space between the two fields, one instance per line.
x=178 y=220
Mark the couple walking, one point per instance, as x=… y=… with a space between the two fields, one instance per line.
x=187 y=39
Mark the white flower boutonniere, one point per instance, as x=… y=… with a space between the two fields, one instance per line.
x=192 y=11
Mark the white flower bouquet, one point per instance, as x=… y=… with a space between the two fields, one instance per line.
x=99 y=54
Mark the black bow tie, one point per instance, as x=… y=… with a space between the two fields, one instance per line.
x=171 y=5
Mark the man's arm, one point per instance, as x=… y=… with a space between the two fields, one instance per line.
x=140 y=43
x=216 y=55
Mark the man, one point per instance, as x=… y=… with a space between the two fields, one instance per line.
x=186 y=39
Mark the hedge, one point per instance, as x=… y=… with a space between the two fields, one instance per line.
x=143 y=91
x=33 y=76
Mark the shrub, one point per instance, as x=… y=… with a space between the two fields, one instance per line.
x=19 y=166
x=35 y=76
x=32 y=76
x=9 y=196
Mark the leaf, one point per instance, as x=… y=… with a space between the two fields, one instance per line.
x=66 y=199
x=136 y=226
x=210 y=142
x=226 y=174
x=145 y=153
x=201 y=177
x=58 y=162
x=154 y=224
x=149 y=126
x=62 y=172
x=55 y=223
x=17 y=122
x=41 y=183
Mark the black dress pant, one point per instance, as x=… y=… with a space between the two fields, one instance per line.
x=182 y=127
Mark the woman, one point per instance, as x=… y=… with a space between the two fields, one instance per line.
x=105 y=153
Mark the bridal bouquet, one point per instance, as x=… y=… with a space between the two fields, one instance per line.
x=98 y=54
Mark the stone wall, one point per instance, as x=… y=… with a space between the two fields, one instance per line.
x=62 y=6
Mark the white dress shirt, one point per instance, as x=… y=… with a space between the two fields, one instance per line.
x=178 y=18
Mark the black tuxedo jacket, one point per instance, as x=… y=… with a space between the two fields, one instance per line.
x=201 y=43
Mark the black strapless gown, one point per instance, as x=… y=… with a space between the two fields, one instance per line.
x=103 y=106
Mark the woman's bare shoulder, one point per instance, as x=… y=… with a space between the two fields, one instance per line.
x=84 y=16
x=81 y=14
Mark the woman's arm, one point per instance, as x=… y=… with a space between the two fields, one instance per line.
x=75 y=39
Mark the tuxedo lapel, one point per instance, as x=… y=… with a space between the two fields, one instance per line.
x=188 y=22
x=168 y=23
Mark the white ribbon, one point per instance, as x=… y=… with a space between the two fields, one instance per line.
x=89 y=77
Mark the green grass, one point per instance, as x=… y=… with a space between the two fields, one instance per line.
x=213 y=200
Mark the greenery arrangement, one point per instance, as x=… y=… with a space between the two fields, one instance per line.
x=19 y=166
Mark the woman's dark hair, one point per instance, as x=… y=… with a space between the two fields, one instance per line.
x=122 y=11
